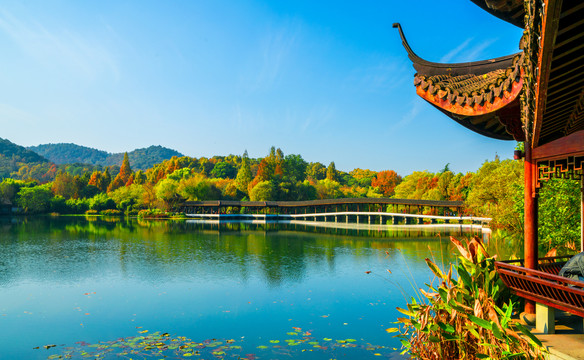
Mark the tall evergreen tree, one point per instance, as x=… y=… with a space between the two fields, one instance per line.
x=123 y=176
x=331 y=172
x=244 y=175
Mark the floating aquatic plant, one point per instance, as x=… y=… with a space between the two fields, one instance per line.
x=159 y=345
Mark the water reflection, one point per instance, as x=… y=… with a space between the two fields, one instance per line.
x=204 y=280
x=68 y=249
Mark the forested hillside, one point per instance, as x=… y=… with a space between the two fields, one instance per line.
x=67 y=153
x=13 y=157
x=142 y=159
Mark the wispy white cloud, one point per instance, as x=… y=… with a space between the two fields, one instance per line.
x=476 y=53
x=467 y=51
x=59 y=47
x=274 y=52
x=454 y=52
x=317 y=117
x=407 y=118
x=381 y=76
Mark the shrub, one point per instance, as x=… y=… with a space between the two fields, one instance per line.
x=468 y=317
x=111 y=212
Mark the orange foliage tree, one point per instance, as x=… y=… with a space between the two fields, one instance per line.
x=123 y=176
x=386 y=181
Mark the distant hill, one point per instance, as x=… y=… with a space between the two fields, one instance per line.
x=72 y=153
x=13 y=156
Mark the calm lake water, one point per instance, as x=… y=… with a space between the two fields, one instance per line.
x=212 y=291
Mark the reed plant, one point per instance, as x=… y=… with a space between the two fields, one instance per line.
x=468 y=316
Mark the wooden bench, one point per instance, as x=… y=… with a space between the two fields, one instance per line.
x=544 y=287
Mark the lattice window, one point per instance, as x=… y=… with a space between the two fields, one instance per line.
x=570 y=167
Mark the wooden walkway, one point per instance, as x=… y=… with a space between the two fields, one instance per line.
x=346 y=217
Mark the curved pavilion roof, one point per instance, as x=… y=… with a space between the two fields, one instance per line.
x=549 y=74
x=481 y=95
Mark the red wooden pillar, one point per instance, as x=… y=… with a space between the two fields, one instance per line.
x=530 y=229
x=582 y=214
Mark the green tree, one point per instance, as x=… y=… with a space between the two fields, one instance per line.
x=305 y=191
x=224 y=170
x=101 y=202
x=414 y=185
x=167 y=193
x=328 y=189
x=316 y=171
x=263 y=191
x=295 y=167
x=244 y=175
x=559 y=215
x=35 y=199
x=198 y=188
x=9 y=188
x=331 y=172
x=494 y=190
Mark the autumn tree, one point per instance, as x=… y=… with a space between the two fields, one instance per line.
x=362 y=177
x=315 y=171
x=123 y=176
x=64 y=185
x=331 y=172
x=386 y=181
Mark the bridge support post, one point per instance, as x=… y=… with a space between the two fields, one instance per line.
x=380 y=219
x=336 y=218
x=358 y=219
x=369 y=219
x=347 y=218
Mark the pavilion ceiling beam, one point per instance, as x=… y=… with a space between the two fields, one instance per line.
x=568 y=41
x=572 y=10
x=567 y=80
x=577 y=60
x=566 y=93
x=549 y=31
x=569 y=52
x=559 y=104
x=567 y=146
x=571 y=27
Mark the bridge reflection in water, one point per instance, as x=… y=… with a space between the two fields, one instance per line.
x=426 y=232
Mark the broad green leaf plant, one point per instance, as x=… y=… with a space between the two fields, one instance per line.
x=468 y=317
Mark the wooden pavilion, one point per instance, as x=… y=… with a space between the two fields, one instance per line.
x=535 y=96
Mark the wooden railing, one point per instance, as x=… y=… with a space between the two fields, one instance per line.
x=544 y=286
x=550 y=265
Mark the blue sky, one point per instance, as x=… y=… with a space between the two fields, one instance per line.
x=327 y=80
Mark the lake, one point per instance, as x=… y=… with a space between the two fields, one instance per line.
x=99 y=286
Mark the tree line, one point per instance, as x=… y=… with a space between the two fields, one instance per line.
x=494 y=190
